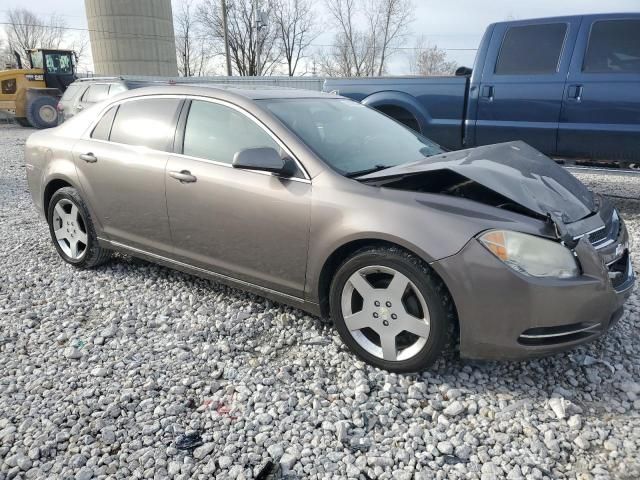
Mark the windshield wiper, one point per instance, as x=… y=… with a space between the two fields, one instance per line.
x=367 y=171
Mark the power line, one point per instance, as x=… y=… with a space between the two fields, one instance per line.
x=167 y=37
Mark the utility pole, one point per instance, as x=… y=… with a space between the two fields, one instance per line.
x=226 y=36
x=256 y=15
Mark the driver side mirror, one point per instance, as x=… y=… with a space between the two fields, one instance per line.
x=265 y=159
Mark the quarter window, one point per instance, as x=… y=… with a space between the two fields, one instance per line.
x=531 y=49
x=216 y=132
x=614 y=47
x=148 y=122
x=103 y=128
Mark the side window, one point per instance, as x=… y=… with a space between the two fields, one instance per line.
x=103 y=128
x=531 y=49
x=614 y=47
x=96 y=93
x=116 y=88
x=148 y=122
x=216 y=132
x=71 y=91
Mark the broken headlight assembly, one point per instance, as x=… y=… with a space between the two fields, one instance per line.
x=531 y=255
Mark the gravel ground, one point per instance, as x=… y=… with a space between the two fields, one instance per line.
x=110 y=373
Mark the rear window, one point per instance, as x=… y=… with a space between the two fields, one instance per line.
x=614 y=47
x=148 y=122
x=71 y=92
x=96 y=93
x=531 y=49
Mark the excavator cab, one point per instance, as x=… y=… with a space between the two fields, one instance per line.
x=32 y=94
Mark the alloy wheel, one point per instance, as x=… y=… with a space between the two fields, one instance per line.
x=385 y=313
x=69 y=229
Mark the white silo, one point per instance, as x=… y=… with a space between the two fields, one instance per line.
x=132 y=37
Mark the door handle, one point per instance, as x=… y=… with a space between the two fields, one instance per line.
x=183 y=176
x=88 y=157
x=487 y=92
x=575 y=92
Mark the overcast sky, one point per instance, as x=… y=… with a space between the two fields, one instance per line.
x=451 y=24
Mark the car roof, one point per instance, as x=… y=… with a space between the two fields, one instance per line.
x=227 y=90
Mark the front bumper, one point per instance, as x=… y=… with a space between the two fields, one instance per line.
x=505 y=315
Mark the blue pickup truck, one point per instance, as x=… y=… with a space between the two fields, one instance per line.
x=569 y=86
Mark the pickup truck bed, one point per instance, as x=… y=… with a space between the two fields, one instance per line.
x=427 y=104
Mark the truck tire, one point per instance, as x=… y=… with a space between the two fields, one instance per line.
x=23 y=122
x=42 y=112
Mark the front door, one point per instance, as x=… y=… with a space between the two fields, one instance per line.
x=601 y=110
x=121 y=166
x=523 y=81
x=248 y=225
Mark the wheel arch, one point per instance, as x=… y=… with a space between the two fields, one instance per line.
x=53 y=185
x=397 y=104
x=339 y=255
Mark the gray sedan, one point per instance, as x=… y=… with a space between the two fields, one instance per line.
x=327 y=205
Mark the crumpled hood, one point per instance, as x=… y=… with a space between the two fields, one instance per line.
x=514 y=170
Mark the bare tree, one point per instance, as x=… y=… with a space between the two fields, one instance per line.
x=369 y=32
x=191 y=45
x=25 y=31
x=429 y=60
x=242 y=35
x=388 y=23
x=295 y=30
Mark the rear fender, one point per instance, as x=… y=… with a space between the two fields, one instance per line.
x=401 y=100
x=26 y=96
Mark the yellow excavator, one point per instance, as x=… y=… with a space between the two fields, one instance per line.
x=32 y=94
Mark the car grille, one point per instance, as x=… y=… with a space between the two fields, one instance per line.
x=607 y=234
x=619 y=271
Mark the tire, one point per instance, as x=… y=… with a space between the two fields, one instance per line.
x=23 y=122
x=70 y=224
x=42 y=112
x=424 y=300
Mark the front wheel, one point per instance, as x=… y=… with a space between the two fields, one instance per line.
x=390 y=309
x=72 y=230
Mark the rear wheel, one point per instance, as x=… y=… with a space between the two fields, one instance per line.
x=390 y=309
x=72 y=230
x=42 y=112
x=23 y=122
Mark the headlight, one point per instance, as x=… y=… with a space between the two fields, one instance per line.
x=531 y=255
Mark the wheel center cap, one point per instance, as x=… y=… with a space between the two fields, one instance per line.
x=384 y=313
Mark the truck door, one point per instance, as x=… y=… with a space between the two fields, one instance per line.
x=523 y=80
x=601 y=108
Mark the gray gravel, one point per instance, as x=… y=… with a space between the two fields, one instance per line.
x=105 y=373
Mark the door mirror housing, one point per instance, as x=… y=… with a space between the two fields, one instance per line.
x=265 y=159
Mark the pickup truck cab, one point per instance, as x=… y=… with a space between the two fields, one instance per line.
x=568 y=86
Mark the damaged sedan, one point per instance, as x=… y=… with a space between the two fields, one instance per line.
x=324 y=204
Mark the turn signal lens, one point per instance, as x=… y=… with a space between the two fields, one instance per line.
x=531 y=255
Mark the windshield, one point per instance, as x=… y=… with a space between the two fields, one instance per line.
x=351 y=138
x=36 y=59
x=60 y=63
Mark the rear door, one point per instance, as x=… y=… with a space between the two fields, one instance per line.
x=523 y=81
x=601 y=108
x=248 y=225
x=121 y=165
